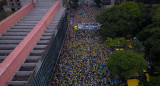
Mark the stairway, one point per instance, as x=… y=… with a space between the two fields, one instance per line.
x=13 y=36
x=26 y=73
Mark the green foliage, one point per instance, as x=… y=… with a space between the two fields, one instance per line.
x=154 y=81
x=148 y=44
x=148 y=32
x=108 y=30
x=143 y=9
x=154 y=57
x=110 y=14
x=145 y=33
x=155 y=14
x=143 y=82
x=145 y=19
x=111 y=43
x=132 y=8
x=126 y=63
x=137 y=46
x=151 y=40
x=121 y=20
x=3 y=15
x=115 y=23
x=149 y=35
x=155 y=53
x=3 y=2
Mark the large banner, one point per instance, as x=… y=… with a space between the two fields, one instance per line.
x=89 y=26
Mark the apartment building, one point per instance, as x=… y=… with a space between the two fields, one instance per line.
x=12 y=5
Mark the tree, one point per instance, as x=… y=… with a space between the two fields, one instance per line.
x=137 y=13
x=151 y=40
x=109 y=30
x=149 y=43
x=145 y=19
x=154 y=59
x=149 y=35
x=137 y=46
x=126 y=63
x=112 y=43
x=132 y=8
x=155 y=14
x=120 y=20
x=155 y=52
x=154 y=81
x=110 y=14
x=148 y=32
x=3 y=15
x=115 y=22
x=3 y=2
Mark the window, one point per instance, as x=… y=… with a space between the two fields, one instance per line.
x=13 y=9
x=12 y=4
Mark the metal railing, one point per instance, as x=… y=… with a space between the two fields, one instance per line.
x=49 y=63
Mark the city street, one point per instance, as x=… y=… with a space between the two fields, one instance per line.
x=83 y=58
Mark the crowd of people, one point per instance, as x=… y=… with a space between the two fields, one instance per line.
x=83 y=59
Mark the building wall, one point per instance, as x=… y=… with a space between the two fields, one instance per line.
x=13 y=4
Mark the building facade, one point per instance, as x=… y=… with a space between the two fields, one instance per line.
x=12 y=5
